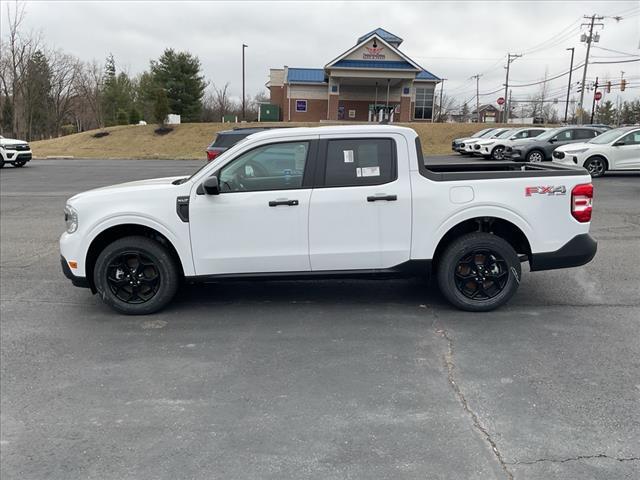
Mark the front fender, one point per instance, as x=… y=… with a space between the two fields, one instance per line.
x=181 y=243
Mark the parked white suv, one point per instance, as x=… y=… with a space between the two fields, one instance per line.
x=493 y=148
x=468 y=146
x=329 y=202
x=617 y=149
x=15 y=152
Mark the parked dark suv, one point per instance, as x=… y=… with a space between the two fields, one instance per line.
x=228 y=138
x=540 y=148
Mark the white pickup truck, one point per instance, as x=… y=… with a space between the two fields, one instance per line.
x=329 y=202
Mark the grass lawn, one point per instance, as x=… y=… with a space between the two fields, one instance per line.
x=189 y=140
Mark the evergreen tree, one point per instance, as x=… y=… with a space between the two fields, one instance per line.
x=37 y=95
x=134 y=115
x=109 y=104
x=606 y=113
x=178 y=73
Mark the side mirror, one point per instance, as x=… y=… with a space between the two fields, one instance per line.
x=553 y=140
x=211 y=186
x=619 y=143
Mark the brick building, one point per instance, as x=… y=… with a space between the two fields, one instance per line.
x=370 y=81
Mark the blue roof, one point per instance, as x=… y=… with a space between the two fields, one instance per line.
x=425 y=75
x=374 y=64
x=383 y=34
x=306 y=75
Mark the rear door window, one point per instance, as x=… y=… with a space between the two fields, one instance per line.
x=356 y=162
x=584 y=134
x=565 y=135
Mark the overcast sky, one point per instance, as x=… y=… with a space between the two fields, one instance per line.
x=453 y=40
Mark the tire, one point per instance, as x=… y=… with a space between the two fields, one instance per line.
x=19 y=163
x=497 y=153
x=115 y=279
x=596 y=166
x=500 y=269
x=535 y=156
x=1 y=163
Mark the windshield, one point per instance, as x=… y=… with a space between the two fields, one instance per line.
x=497 y=133
x=607 y=137
x=482 y=132
x=506 y=134
x=550 y=134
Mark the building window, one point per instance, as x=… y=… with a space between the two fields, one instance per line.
x=423 y=109
x=301 y=105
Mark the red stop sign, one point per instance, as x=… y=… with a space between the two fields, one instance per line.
x=501 y=101
x=598 y=96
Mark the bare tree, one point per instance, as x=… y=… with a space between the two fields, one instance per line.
x=448 y=106
x=65 y=70
x=15 y=53
x=222 y=103
x=88 y=85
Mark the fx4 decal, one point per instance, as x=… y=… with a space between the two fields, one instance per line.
x=546 y=190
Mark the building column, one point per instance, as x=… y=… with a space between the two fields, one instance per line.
x=334 y=99
x=405 y=103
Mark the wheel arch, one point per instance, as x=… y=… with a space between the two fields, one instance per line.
x=115 y=232
x=498 y=226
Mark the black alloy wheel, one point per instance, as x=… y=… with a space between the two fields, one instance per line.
x=482 y=274
x=136 y=275
x=133 y=277
x=478 y=272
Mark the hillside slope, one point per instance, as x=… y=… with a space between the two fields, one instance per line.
x=189 y=140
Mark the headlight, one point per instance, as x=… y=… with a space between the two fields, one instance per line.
x=579 y=150
x=70 y=218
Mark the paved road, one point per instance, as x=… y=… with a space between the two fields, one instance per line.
x=315 y=379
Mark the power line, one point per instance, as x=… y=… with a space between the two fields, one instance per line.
x=616 y=51
x=619 y=61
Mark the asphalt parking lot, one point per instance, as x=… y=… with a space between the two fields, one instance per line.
x=315 y=379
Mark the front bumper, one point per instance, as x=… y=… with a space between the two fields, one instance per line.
x=76 y=281
x=16 y=155
x=576 y=252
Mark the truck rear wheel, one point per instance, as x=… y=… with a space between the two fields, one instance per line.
x=479 y=272
x=136 y=276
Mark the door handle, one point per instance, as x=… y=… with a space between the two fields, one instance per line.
x=290 y=203
x=388 y=198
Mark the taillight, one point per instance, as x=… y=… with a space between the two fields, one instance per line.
x=212 y=154
x=582 y=202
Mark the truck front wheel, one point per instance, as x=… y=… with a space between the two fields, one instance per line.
x=135 y=275
x=479 y=272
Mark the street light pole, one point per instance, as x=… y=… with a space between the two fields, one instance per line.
x=243 y=84
x=566 y=105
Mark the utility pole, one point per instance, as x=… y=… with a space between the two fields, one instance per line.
x=477 y=77
x=510 y=58
x=593 y=105
x=508 y=109
x=588 y=39
x=566 y=105
x=440 y=109
x=243 y=85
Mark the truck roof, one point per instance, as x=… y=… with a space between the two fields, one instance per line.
x=364 y=129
